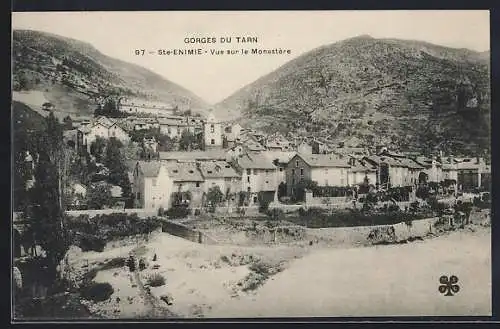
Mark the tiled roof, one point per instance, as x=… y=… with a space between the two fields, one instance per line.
x=184 y=172
x=255 y=161
x=217 y=169
x=384 y=159
x=362 y=168
x=172 y=122
x=467 y=165
x=104 y=121
x=215 y=154
x=324 y=160
x=409 y=163
x=283 y=157
x=149 y=168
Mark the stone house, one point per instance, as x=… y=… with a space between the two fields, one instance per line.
x=325 y=169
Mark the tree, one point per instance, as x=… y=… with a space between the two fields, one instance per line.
x=97 y=149
x=115 y=161
x=46 y=216
x=214 y=197
x=118 y=171
x=98 y=196
x=68 y=123
x=187 y=141
x=166 y=144
x=282 y=190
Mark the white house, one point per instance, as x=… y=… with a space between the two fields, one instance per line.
x=105 y=128
x=212 y=132
x=223 y=175
x=152 y=186
x=172 y=126
x=259 y=174
x=186 y=179
x=361 y=171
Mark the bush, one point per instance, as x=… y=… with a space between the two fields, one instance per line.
x=131 y=264
x=276 y=214
x=263 y=208
x=142 y=265
x=161 y=211
x=178 y=212
x=156 y=280
x=393 y=207
x=97 y=292
x=302 y=212
x=114 y=263
x=92 y=243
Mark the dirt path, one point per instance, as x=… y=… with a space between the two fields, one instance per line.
x=156 y=309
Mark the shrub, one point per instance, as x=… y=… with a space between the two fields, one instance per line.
x=92 y=243
x=414 y=206
x=142 y=265
x=302 y=212
x=114 y=263
x=131 y=263
x=260 y=268
x=178 y=212
x=156 y=280
x=276 y=214
x=161 y=211
x=263 y=208
x=97 y=292
x=393 y=207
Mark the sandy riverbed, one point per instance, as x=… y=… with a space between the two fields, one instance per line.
x=210 y=280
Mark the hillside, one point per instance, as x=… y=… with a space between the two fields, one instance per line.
x=364 y=91
x=71 y=74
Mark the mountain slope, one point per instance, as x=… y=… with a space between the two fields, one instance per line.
x=365 y=91
x=71 y=74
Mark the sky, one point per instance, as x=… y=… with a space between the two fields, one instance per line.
x=215 y=77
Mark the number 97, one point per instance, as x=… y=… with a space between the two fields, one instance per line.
x=139 y=52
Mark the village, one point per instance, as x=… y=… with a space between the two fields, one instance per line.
x=246 y=166
x=135 y=170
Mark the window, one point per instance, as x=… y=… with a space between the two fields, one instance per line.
x=267 y=182
x=212 y=141
x=293 y=180
x=249 y=171
x=138 y=195
x=248 y=179
x=154 y=181
x=254 y=199
x=197 y=184
x=281 y=168
x=212 y=128
x=297 y=163
x=301 y=171
x=293 y=172
x=249 y=189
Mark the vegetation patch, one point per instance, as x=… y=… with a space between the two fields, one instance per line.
x=97 y=291
x=156 y=280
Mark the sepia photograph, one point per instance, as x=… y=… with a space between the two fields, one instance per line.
x=250 y=164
